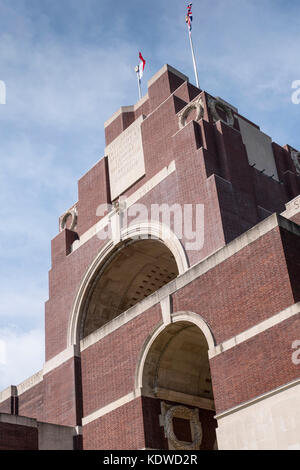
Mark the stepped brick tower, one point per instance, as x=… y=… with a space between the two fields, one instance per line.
x=174 y=295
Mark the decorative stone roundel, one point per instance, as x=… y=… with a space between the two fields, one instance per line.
x=63 y=220
x=214 y=105
x=195 y=105
x=196 y=427
x=296 y=159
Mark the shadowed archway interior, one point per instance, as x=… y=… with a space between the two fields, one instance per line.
x=134 y=271
x=176 y=379
x=177 y=363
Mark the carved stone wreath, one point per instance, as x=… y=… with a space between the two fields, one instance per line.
x=184 y=114
x=296 y=159
x=196 y=427
x=63 y=219
x=214 y=104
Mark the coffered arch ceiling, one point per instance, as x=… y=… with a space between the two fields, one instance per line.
x=134 y=271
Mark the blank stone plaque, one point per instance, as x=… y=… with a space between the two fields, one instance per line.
x=126 y=159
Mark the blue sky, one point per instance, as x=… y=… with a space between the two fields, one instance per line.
x=68 y=65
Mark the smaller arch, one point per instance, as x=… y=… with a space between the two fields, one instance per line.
x=182 y=317
x=174 y=376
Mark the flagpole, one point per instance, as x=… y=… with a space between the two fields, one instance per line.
x=194 y=60
x=139 y=81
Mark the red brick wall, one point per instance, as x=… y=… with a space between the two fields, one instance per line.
x=6 y=406
x=122 y=429
x=15 y=437
x=116 y=127
x=244 y=290
x=93 y=190
x=60 y=400
x=108 y=367
x=143 y=109
x=159 y=91
x=256 y=366
x=187 y=92
x=31 y=402
x=64 y=281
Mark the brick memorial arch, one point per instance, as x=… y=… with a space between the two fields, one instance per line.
x=153 y=341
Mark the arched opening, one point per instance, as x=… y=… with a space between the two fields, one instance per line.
x=133 y=271
x=177 y=390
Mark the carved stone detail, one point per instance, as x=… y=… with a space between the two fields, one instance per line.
x=63 y=219
x=184 y=114
x=213 y=104
x=171 y=412
x=296 y=159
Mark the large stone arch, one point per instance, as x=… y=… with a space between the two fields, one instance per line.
x=154 y=233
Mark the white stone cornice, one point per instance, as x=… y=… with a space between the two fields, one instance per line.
x=257 y=399
x=64 y=356
x=7 y=393
x=30 y=383
x=18 y=420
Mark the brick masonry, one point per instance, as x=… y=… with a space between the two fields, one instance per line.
x=15 y=437
x=256 y=366
x=114 y=361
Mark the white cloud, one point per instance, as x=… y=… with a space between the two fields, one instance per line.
x=23 y=353
x=25 y=305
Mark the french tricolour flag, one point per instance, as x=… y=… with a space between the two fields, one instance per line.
x=141 y=66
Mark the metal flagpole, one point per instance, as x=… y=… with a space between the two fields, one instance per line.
x=194 y=60
x=137 y=69
x=189 y=19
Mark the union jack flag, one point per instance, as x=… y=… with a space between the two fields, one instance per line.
x=189 y=16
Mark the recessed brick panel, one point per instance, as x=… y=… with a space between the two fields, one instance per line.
x=31 y=402
x=240 y=292
x=122 y=429
x=257 y=366
x=109 y=366
x=60 y=395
